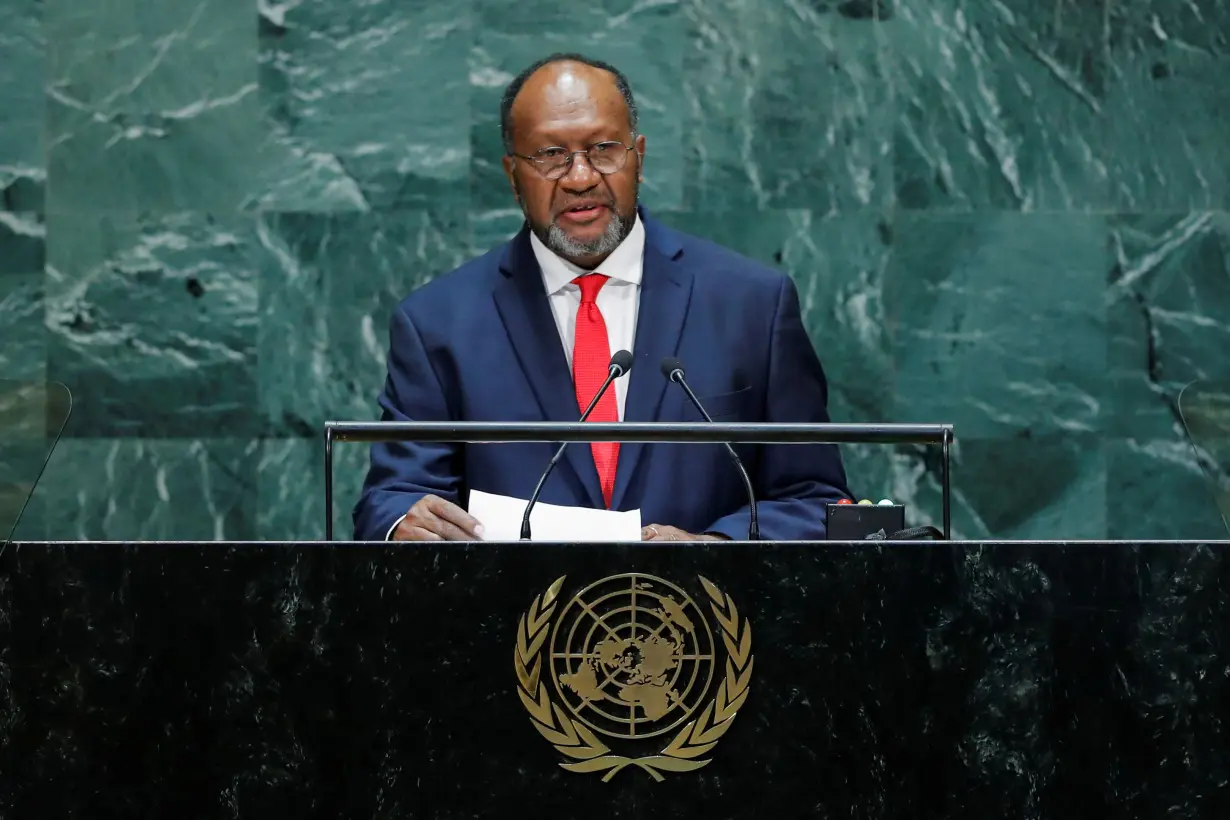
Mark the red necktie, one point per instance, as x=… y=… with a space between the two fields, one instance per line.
x=591 y=356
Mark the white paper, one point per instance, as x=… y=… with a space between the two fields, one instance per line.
x=500 y=516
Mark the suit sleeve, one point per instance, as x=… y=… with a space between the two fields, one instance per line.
x=400 y=473
x=793 y=482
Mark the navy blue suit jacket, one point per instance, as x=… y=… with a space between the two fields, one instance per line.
x=480 y=344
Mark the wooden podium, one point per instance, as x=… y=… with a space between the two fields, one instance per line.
x=713 y=680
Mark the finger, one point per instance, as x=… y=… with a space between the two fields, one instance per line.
x=424 y=534
x=650 y=532
x=407 y=531
x=452 y=514
x=446 y=529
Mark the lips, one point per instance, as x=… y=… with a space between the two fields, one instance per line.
x=583 y=211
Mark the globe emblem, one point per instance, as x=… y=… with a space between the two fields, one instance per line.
x=632 y=656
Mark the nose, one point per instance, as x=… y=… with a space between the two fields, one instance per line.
x=581 y=175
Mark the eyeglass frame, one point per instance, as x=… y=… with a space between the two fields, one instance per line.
x=572 y=158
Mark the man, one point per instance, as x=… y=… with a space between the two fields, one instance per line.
x=525 y=332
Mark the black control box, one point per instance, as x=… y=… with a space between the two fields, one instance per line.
x=854 y=522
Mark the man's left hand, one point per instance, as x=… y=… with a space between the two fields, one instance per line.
x=661 y=532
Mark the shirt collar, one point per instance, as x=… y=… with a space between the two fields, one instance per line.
x=625 y=262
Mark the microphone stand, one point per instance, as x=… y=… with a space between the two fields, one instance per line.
x=613 y=373
x=753 y=526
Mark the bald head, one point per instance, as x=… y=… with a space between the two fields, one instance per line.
x=562 y=82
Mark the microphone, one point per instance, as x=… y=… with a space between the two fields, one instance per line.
x=620 y=364
x=672 y=369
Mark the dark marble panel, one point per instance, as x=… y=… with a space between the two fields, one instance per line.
x=150 y=489
x=1168 y=316
x=1166 y=104
x=999 y=322
x=787 y=108
x=1156 y=488
x=328 y=286
x=838 y=265
x=1000 y=105
x=965 y=680
x=641 y=39
x=23 y=167
x=370 y=103
x=152 y=324
x=151 y=111
x=290 y=489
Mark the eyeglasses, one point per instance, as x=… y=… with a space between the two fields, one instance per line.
x=604 y=157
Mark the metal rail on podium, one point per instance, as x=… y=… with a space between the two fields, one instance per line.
x=640 y=432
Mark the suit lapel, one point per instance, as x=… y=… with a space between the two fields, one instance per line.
x=522 y=303
x=666 y=289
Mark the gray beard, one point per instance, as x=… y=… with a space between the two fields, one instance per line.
x=617 y=229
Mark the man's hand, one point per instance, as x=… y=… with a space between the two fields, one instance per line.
x=661 y=532
x=434 y=519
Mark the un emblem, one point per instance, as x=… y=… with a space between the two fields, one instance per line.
x=632 y=658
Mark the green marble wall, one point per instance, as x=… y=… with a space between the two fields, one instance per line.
x=1011 y=216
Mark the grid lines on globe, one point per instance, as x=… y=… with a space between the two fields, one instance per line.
x=632 y=656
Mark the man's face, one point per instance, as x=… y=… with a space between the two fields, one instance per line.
x=584 y=215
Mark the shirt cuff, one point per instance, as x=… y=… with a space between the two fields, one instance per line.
x=388 y=536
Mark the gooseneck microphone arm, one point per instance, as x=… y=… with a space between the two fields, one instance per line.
x=620 y=364
x=672 y=369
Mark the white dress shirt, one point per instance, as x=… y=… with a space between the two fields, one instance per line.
x=619 y=300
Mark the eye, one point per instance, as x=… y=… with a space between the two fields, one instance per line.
x=551 y=153
x=605 y=147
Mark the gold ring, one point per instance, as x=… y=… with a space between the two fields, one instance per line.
x=656 y=534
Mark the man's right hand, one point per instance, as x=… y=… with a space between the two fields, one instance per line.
x=434 y=519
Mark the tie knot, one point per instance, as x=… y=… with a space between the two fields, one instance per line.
x=590 y=284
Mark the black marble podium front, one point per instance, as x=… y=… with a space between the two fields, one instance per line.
x=911 y=680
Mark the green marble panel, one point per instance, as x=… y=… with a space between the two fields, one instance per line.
x=23 y=351
x=1157 y=490
x=999 y=322
x=291 y=489
x=999 y=104
x=151 y=111
x=328 y=285
x=492 y=228
x=1043 y=487
x=151 y=489
x=23 y=239
x=32 y=526
x=838 y=265
x=1168 y=316
x=817 y=137
x=786 y=108
x=152 y=324
x=23 y=167
x=1166 y=109
x=644 y=41
x=376 y=94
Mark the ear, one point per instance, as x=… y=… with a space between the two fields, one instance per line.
x=640 y=157
x=509 y=163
